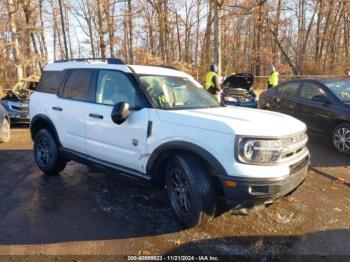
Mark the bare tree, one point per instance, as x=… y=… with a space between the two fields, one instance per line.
x=63 y=29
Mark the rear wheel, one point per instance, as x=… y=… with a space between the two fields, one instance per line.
x=46 y=153
x=341 y=138
x=191 y=194
x=5 y=134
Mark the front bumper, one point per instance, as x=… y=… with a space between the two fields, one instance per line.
x=250 y=104
x=18 y=117
x=250 y=192
x=18 y=112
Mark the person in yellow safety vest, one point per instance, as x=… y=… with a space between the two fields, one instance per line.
x=212 y=83
x=273 y=78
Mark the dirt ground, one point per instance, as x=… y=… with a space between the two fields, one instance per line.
x=86 y=213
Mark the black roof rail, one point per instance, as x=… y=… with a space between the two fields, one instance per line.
x=114 y=61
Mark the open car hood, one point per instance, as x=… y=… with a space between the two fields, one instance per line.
x=13 y=96
x=239 y=81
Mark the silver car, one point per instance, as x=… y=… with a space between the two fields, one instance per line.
x=5 y=133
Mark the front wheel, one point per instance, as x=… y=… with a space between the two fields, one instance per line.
x=191 y=193
x=341 y=138
x=5 y=134
x=46 y=153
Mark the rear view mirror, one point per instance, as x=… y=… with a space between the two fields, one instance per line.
x=322 y=99
x=120 y=112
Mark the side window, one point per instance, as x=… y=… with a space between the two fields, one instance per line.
x=77 y=85
x=309 y=90
x=114 y=87
x=50 y=81
x=289 y=89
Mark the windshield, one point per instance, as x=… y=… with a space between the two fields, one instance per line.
x=171 y=93
x=341 y=88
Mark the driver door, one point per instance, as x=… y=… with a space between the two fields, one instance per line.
x=317 y=116
x=120 y=146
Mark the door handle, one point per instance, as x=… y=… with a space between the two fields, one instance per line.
x=57 y=108
x=97 y=116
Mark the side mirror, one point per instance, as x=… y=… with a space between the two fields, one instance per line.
x=120 y=112
x=322 y=99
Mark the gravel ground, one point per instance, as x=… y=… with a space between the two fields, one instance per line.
x=87 y=213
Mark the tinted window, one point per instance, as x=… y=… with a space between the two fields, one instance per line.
x=77 y=85
x=114 y=87
x=50 y=81
x=289 y=89
x=309 y=90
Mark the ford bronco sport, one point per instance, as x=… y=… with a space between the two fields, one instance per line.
x=159 y=125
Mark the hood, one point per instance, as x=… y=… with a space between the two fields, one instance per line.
x=242 y=81
x=237 y=120
x=21 y=97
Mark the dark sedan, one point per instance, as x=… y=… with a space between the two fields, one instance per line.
x=323 y=105
x=4 y=126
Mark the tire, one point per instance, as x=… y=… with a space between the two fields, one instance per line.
x=190 y=191
x=341 y=138
x=46 y=153
x=5 y=133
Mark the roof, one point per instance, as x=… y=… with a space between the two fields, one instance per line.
x=343 y=78
x=157 y=70
x=138 y=69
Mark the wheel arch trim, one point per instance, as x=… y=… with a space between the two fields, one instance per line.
x=43 y=118
x=189 y=147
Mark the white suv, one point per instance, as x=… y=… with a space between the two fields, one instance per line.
x=159 y=125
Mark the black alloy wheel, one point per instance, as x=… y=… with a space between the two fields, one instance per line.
x=190 y=190
x=46 y=153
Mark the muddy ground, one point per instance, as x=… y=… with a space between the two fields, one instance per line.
x=81 y=212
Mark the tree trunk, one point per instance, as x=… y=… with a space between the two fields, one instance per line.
x=199 y=2
x=217 y=34
x=16 y=52
x=63 y=29
x=42 y=34
x=101 y=31
x=131 y=30
x=207 y=38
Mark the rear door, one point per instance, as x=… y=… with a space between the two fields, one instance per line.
x=318 y=116
x=70 y=108
x=121 y=146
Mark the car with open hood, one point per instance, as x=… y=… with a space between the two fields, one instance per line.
x=16 y=100
x=237 y=90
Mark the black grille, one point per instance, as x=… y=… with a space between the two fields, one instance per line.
x=20 y=109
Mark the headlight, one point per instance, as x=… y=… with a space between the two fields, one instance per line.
x=266 y=151
x=260 y=151
x=230 y=99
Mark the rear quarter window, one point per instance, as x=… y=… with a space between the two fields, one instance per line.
x=50 y=81
x=78 y=85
